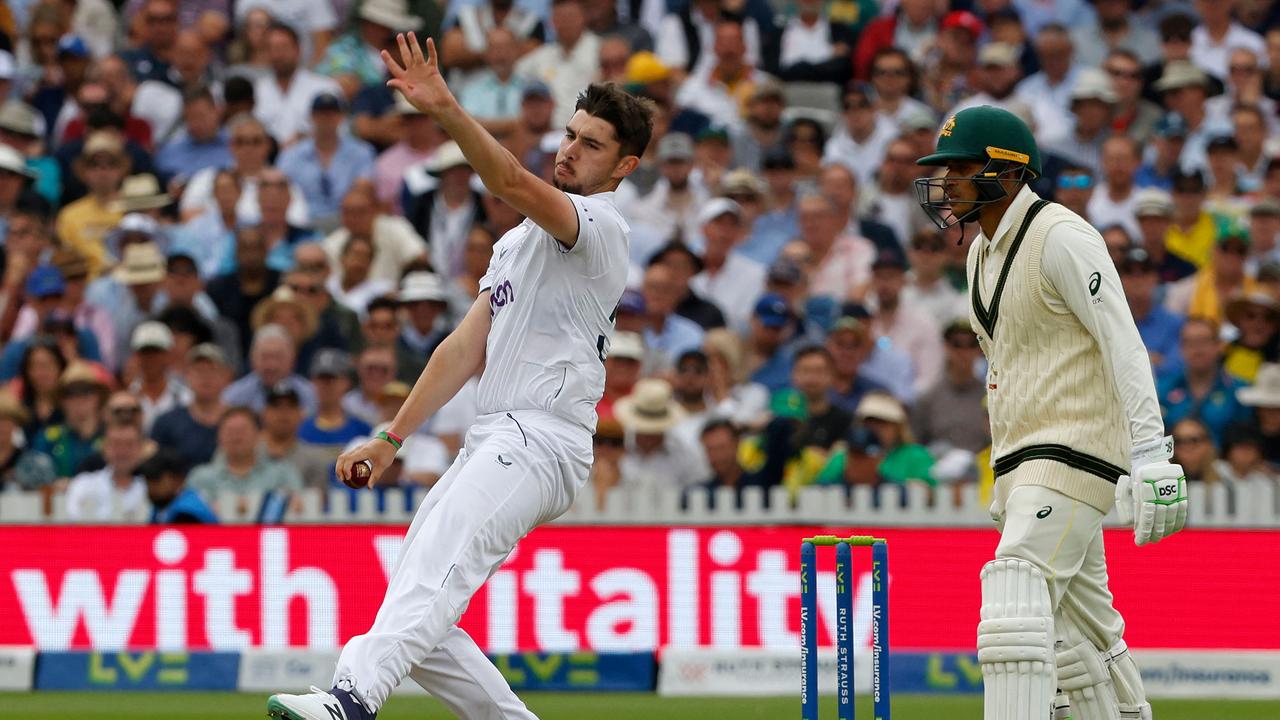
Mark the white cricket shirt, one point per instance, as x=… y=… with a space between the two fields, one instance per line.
x=552 y=312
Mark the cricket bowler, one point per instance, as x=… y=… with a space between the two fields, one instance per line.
x=540 y=329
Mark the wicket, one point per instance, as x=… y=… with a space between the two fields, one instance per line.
x=844 y=625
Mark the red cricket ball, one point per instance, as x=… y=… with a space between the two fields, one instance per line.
x=359 y=476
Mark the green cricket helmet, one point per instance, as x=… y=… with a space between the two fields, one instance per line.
x=985 y=134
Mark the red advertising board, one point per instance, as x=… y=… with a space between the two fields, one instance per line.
x=571 y=588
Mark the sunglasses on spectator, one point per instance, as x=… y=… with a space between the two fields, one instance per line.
x=313 y=267
x=1244 y=69
x=608 y=441
x=1075 y=182
x=103 y=163
x=929 y=246
x=255 y=140
x=377 y=367
x=1126 y=74
x=1234 y=248
x=891 y=72
x=1190 y=439
x=306 y=289
x=858 y=104
x=125 y=410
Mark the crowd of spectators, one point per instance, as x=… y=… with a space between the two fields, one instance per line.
x=227 y=249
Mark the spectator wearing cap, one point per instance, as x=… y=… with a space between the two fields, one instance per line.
x=416 y=138
x=172 y=502
x=1112 y=27
x=184 y=292
x=1134 y=114
x=331 y=428
x=721 y=88
x=191 y=428
x=1202 y=389
x=251 y=149
x=1159 y=328
x=1092 y=110
x=424 y=302
x=284 y=98
x=778 y=223
x=151 y=58
x=1264 y=398
x=1223 y=196
x=906 y=325
x=337 y=325
x=951 y=413
x=81 y=396
x=526 y=142
x=493 y=94
x=841 y=263
x=1193 y=232
x=1264 y=234
x=686 y=264
x=83 y=224
x=241 y=464
x=773 y=325
x=115 y=492
x=623 y=366
x=689 y=390
x=902 y=458
x=326 y=164
x=656 y=458
x=670 y=209
x=860 y=139
x=64 y=69
x=568 y=63
x=726 y=277
x=1256 y=317
x=445 y=212
x=1115 y=198
x=1168 y=139
x=997 y=81
x=761 y=129
x=23 y=130
x=353 y=59
x=375 y=367
x=272 y=358
x=849 y=344
x=158 y=390
x=1183 y=88
x=88 y=317
x=949 y=67
x=812 y=49
x=890 y=200
x=1206 y=293
x=666 y=333
x=395 y=242
x=281 y=421
x=912 y=27
x=1217 y=35
x=45 y=289
x=928 y=286
x=199 y=142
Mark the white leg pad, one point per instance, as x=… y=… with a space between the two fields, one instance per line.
x=1061 y=707
x=1015 y=642
x=1128 y=683
x=1083 y=673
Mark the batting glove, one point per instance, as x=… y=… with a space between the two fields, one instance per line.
x=1154 y=499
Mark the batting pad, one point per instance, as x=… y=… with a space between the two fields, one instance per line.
x=1128 y=683
x=1015 y=642
x=1083 y=674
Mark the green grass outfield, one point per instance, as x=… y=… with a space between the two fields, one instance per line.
x=553 y=706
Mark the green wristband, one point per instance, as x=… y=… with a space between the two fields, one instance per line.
x=397 y=444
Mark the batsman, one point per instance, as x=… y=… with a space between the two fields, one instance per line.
x=1075 y=427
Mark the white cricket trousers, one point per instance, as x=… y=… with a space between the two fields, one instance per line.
x=1063 y=538
x=516 y=471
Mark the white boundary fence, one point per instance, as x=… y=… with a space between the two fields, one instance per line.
x=1249 y=505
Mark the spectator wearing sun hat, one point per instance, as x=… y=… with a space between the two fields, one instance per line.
x=82 y=395
x=656 y=457
x=83 y=224
x=1264 y=397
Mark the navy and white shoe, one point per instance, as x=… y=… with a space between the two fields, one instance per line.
x=335 y=704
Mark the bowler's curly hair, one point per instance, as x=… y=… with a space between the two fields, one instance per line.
x=630 y=116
